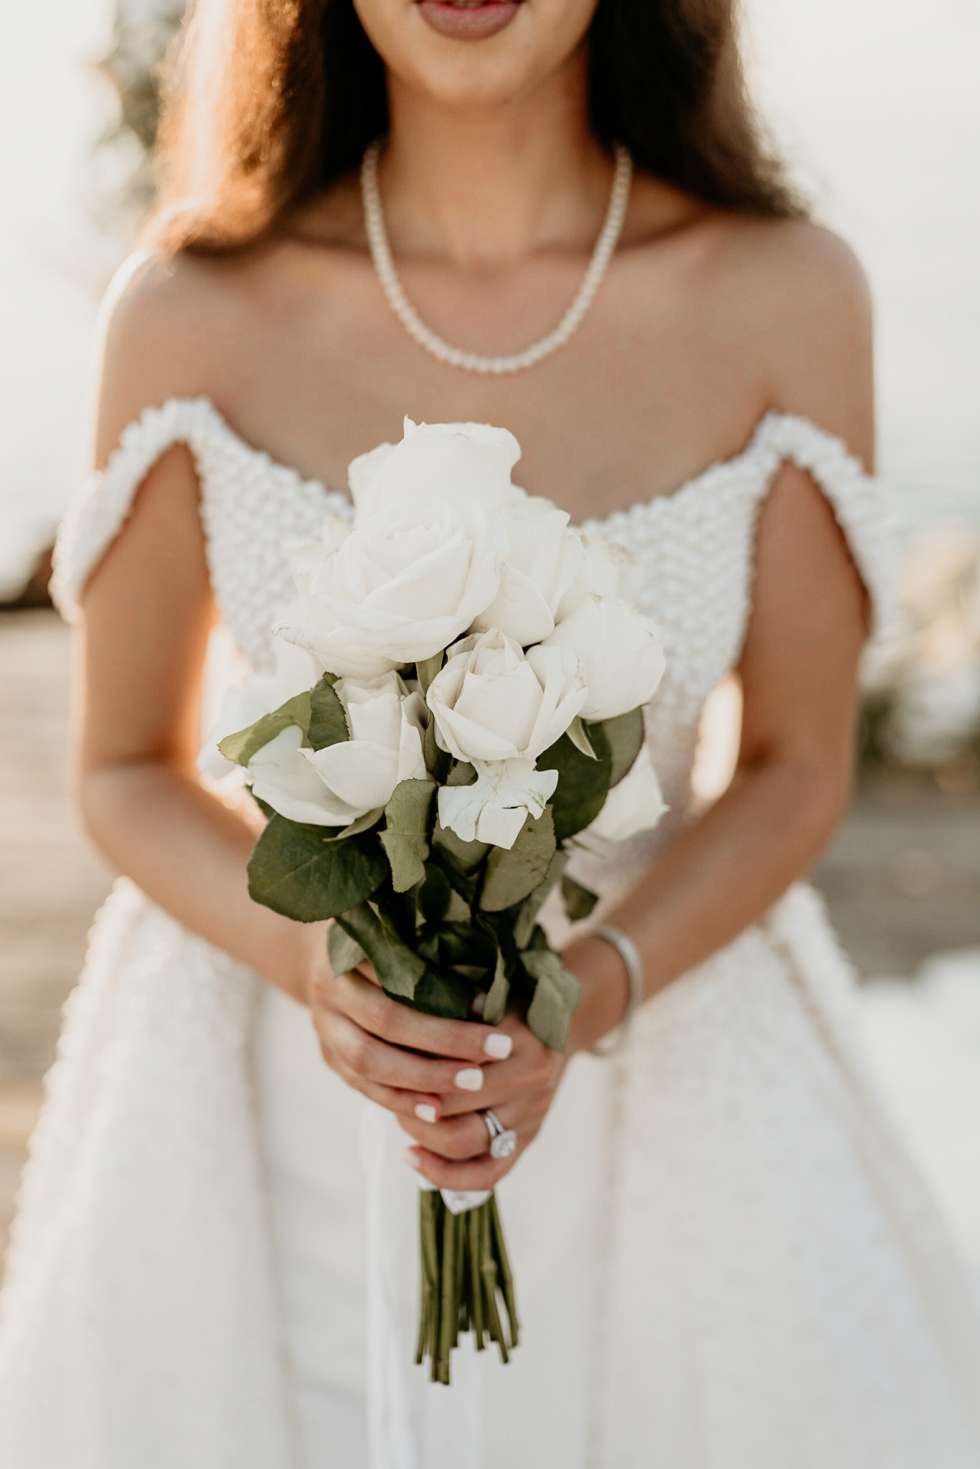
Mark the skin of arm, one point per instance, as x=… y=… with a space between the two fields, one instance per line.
x=147 y=610
x=798 y=672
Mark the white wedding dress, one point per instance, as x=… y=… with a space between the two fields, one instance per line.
x=725 y=1259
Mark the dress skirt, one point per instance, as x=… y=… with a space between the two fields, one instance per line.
x=724 y=1259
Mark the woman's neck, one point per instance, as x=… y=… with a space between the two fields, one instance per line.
x=489 y=186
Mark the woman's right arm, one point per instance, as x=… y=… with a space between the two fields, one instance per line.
x=147 y=612
x=146 y=616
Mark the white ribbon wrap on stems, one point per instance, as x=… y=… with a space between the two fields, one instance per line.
x=412 y=1422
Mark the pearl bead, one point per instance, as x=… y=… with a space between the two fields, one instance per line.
x=403 y=309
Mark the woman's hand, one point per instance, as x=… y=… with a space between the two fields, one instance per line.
x=415 y=1065
x=453 y=1150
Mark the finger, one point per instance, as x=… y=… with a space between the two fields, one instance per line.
x=373 y=1010
x=485 y=1172
x=376 y=1060
x=403 y=1104
x=533 y=1074
x=466 y=1137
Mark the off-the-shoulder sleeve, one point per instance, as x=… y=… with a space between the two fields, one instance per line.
x=859 y=500
x=100 y=508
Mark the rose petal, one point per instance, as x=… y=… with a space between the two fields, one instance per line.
x=620 y=652
x=282 y=778
x=497 y=802
x=635 y=804
x=360 y=774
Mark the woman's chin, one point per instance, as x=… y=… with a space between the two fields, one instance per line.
x=468 y=55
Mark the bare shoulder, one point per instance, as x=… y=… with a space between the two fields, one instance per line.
x=801 y=295
x=802 y=254
x=162 y=323
x=804 y=278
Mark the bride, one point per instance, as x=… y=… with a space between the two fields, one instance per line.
x=380 y=207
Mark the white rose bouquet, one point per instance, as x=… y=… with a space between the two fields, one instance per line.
x=457 y=702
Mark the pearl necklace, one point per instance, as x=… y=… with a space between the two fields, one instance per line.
x=384 y=267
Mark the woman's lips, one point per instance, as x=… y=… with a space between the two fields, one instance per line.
x=468 y=22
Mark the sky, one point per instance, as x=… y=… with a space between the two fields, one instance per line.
x=876 y=105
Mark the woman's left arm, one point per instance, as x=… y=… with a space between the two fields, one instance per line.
x=798 y=672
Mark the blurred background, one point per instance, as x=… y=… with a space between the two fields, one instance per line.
x=878 y=110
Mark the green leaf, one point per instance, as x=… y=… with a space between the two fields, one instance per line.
x=328 y=722
x=495 y=1005
x=295 y=871
x=459 y=910
x=460 y=946
x=583 y=783
x=405 y=837
x=531 y=907
x=244 y=743
x=434 y=894
x=448 y=995
x=556 y=993
x=363 y=823
x=625 y=738
x=426 y=670
x=464 y=855
x=578 y=899
x=512 y=874
x=398 y=967
x=343 y=952
x=578 y=733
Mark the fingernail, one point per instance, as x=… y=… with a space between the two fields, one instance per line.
x=498 y=1046
x=470 y=1079
x=413 y=1161
x=425 y=1112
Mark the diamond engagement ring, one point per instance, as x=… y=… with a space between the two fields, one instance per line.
x=503 y=1140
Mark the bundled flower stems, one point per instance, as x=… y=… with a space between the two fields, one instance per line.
x=456 y=706
x=464 y=1268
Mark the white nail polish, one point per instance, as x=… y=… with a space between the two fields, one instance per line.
x=425 y=1112
x=498 y=1046
x=470 y=1079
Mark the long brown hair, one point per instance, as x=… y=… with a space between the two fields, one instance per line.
x=284 y=97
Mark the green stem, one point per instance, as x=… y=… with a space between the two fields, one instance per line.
x=476 y=1284
x=488 y=1270
x=449 y=1309
x=506 y=1274
x=464 y=1268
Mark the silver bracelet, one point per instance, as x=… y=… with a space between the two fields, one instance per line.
x=630 y=955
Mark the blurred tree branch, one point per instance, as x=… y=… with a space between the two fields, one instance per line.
x=142 y=32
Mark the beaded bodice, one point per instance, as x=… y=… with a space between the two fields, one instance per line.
x=694 y=547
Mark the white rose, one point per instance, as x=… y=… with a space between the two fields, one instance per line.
x=436 y=459
x=261 y=693
x=543 y=559
x=422 y=559
x=620 y=652
x=492 y=701
x=635 y=804
x=495 y=806
x=607 y=569
x=334 y=786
